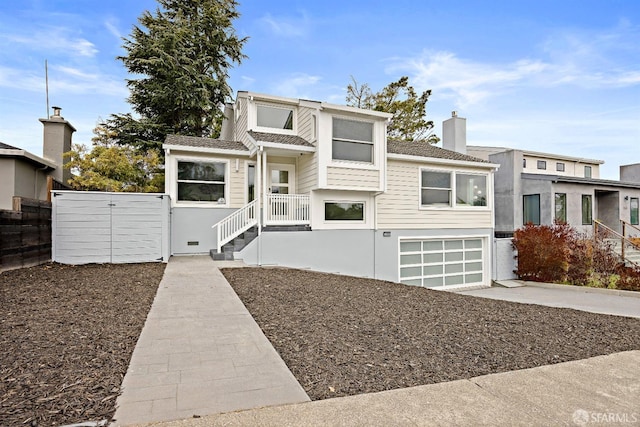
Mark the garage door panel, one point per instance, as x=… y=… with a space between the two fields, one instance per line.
x=442 y=262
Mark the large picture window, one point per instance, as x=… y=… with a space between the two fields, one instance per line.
x=471 y=190
x=634 y=208
x=274 y=117
x=352 y=140
x=561 y=207
x=201 y=181
x=531 y=209
x=344 y=211
x=587 y=209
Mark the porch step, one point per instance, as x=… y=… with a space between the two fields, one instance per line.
x=304 y=227
x=235 y=245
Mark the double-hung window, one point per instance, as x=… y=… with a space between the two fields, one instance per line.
x=352 y=140
x=200 y=181
x=440 y=188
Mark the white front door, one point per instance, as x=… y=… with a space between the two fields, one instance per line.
x=281 y=181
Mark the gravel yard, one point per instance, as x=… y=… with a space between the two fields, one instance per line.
x=67 y=334
x=343 y=335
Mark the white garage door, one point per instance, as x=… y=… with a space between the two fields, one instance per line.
x=439 y=263
x=94 y=227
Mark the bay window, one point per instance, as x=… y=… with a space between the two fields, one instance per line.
x=352 y=140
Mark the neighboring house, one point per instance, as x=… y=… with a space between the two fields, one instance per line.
x=541 y=187
x=26 y=175
x=325 y=190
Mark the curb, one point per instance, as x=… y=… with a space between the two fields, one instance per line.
x=586 y=289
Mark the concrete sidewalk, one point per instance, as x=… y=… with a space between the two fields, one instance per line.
x=603 y=301
x=603 y=390
x=200 y=352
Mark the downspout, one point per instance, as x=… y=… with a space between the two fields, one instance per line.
x=258 y=193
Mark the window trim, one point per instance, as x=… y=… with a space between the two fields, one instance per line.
x=372 y=143
x=582 y=211
x=265 y=129
x=555 y=206
x=344 y=221
x=453 y=189
x=193 y=203
x=541 y=164
x=524 y=196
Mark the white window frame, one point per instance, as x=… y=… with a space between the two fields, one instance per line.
x=452 y=202
x=345 y=221
x=189 y=203
x=372 y=143
x=247 y=164
x=486 y=273
x=276 y=130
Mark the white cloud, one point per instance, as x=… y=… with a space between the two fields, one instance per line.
x=111 y=26
x=54 y=39
x=285 y=26
x=297 y=85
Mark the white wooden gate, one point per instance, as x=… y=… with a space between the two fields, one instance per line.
x=97 y=227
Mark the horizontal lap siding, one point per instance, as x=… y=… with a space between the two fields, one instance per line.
x=348 y=178
x=137 y=228
x=305 y=123
x=307 y=173
x=399 y=206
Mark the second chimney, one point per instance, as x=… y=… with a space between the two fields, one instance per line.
x=454 y=133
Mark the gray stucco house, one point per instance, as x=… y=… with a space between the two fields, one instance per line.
x=324 y=189
x=26 y=175
x=541 y=187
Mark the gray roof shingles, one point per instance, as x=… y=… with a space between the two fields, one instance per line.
x=194 y=141
x=424 y=149
x=4 y=146
x=280 y=139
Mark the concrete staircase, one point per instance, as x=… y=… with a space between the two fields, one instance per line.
x=631 y=254
x=235 y=245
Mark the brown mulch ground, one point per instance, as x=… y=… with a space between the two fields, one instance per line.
x=67 y=334
x=343 y=335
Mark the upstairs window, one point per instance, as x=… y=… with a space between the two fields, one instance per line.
x=471 y=190
x=352 y=140
x=542 y=164
x=560 y=167
x=587 y=171
x=435 y=188
x=201 y=181
x=439 y=188
x=274 y=117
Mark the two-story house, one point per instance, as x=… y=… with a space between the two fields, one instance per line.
x=538 y=188
x=326 y=190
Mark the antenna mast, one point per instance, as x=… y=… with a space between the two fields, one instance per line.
x=46 y=84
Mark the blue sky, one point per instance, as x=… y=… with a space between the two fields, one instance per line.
x=553 y=76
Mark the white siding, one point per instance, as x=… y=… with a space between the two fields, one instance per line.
x=307 y=173
x=242 y=125
x=356 y=179
x=399 y=206
x=91 y=227
x=306 y=124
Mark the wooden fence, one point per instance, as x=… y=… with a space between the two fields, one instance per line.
x=25 y=234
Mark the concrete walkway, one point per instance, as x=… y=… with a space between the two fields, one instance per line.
x=603 y=301
x=603 y=390
x=200 y=352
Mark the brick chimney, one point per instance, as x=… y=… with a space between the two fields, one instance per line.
x=454 y=133
x=57 y=141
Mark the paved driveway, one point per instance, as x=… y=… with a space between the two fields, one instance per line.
x=585 y=299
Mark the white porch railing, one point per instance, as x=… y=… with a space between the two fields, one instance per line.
x=236 y=223
x=287 y=209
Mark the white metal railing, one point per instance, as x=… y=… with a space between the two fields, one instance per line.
x=236 y=223
x=287 y=209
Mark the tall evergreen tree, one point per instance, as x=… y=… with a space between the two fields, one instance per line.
x=409 y=121
x=180 y=55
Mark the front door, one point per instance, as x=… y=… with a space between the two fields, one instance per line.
x=281 y=184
